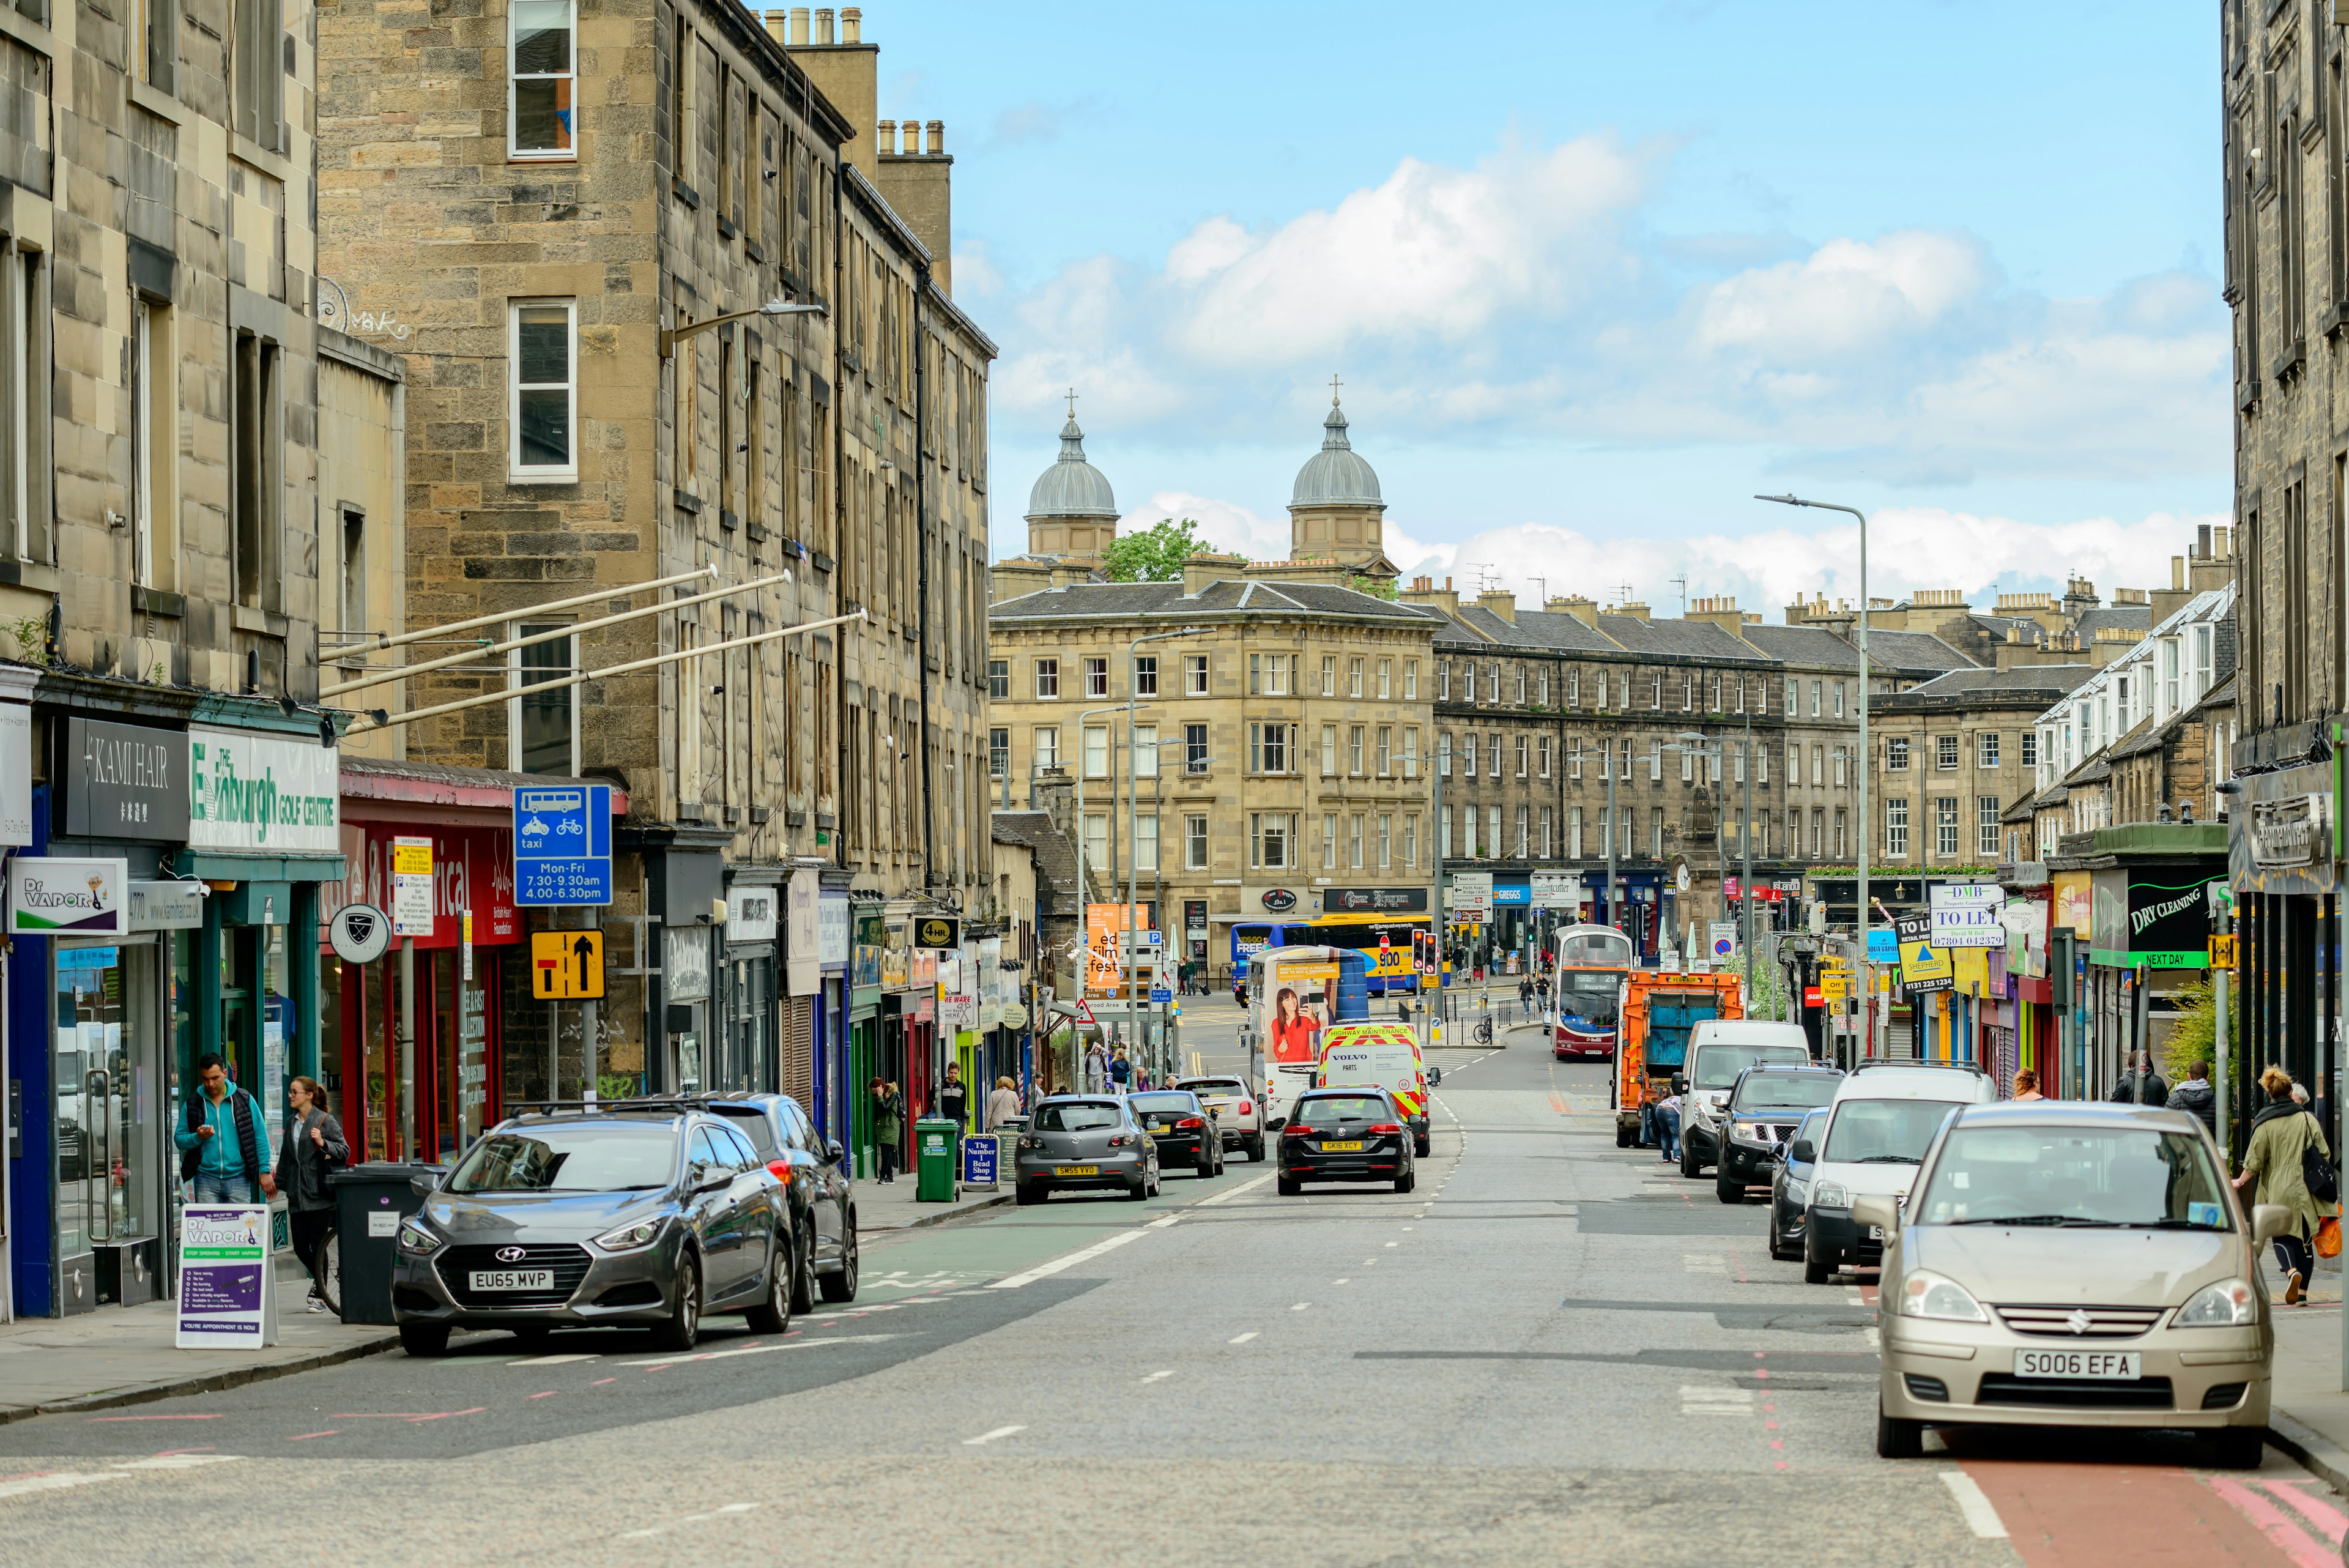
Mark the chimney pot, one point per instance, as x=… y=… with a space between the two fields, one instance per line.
x=886 y=138
x=852 y=25
x=938 y=130
x=800 y=25
x=913 y=138
x=824 y=25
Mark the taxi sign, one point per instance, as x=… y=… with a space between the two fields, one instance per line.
x=567 y=966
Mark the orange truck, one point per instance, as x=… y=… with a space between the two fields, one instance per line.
x=1659 y=1011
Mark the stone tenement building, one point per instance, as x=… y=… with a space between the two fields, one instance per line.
x=549 y=199
x=1953 y=756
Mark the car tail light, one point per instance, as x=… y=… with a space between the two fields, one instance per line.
x=1387 y=1127
x=1192 y=1122
x=1247 y=1108
x=1120 y=1140
x=1295 y=1129
x=782 y=1167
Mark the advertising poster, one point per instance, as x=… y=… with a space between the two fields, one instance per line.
x=52 y=896
x=1922 y=967
x=1105 y=925
x=223 y=1263
x=1965 y=915
x=411 y=886
x=1298 y=1001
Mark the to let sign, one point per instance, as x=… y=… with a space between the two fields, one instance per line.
x=1966 y=915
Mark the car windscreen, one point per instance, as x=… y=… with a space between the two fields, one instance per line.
x=1593 y=995
x=1078 y=1116
x=1164 y=1104
x=1884 y=1132
x=2132 y=1178
x=580 y=1156
x=1717 y=1066
x=1216 y=1086
x=1342 y=1107
x=756 y=1128
x=1770 y=1092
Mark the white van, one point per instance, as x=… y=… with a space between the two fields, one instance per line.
x=1718 y=1050
x=1381 y=1054
x=1880 y=1125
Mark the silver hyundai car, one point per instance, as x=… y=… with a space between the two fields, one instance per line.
x=649 y=1217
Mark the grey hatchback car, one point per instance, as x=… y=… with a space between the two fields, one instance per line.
x=1079 y=1141
x=646 y=1219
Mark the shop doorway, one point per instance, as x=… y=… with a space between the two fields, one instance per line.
x=112 y=1119
x=458 y=1092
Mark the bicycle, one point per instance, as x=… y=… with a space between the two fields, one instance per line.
x=1484 y=1030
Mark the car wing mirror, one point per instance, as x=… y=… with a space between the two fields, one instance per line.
x=834 y=1152
x=1875 y=1209
x=423 y=1186
x=1679 y=1085
x=711 y=1178
x=2269 y=1220
x=1276 y=1123
x=1801 y=1152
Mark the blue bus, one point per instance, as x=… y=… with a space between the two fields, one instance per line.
x=1390 y=971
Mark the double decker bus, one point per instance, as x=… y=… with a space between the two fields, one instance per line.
x=1593 y=963
x=1395 y=968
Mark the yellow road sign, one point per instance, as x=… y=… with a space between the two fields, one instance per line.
x=567 y=966
x=1835 y=985
x=2222 y=952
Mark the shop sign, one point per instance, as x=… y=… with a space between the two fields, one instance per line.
x=2291 y=831
x=1965 y=914
x=922 y=970
x=939 y=933
x=897 y=958
x=411 y=886
x=2024 y=920
x=254 y=792
x=167 y=906
x=958 y=1010
x=1472 y=895
x=226 y=1297
x=2076 y=903
x=1556 y=891
x=2169 y=914
x=990 y=982
x=50 y=896
x=870 y=950
x=832 y=928
x=686 y=976
x=1276 y=900
x=473 y=869
x=1513 y=894
x=802 y=961
x=15 y=774
x=751 y=914
x=129 y=782
x=1373 y=900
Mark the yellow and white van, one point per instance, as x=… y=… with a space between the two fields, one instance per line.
x=1383 y=1053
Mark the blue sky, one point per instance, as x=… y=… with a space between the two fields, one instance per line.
x=1593 y=275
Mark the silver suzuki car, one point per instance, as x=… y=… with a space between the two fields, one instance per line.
x=648 y=1219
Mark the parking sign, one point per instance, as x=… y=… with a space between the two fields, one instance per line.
x=563 y=844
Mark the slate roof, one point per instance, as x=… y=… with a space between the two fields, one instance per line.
x=2134 y=618
x=1229 y=596
x=2040 y=686
x=1056 y=856
x=1899 y=653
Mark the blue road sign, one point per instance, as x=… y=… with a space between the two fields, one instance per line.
x=1161 y=993
x=563 y=844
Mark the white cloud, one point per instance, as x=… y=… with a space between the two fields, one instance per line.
x=1225 y=524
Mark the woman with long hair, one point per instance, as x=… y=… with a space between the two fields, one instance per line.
x=1293 y=1028
x=313 y=1145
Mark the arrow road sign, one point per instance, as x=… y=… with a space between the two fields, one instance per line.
x=567 y=966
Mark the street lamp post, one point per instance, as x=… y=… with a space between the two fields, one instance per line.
x=672 y=336
x=1859 y=885
x=1132 y=860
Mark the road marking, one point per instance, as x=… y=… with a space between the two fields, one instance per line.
x=410 y=1416
x=1156 y=1376
x=548 y=1395
x=1715 y=1399
x=55 y=1482
x=1300 y=1306
x=601 y=1381
x=1398 y=1243
x=658 y=1363
x=213 y=1417
x=1342 y=1281
x=687 y=1518
x=1228 y=1193
x=1981 y=1518
x=550 y=1360
x=1082 y=1254
x=1704 y=1263
x=990 y=1436
x=306 y=1436
x=1161 y=1224
x=1244 y=1338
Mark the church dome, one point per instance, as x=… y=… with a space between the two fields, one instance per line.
x=1071 y=487
x=1336 y=475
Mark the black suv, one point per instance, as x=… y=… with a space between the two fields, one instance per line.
x=1764 y=1104
x=815 y=1173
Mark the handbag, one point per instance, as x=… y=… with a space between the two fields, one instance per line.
x=2328 y=1237
x=2323 y=1182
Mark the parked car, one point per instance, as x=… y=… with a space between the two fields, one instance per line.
x=652 y=1218
x=816 y=1174
x=2063 y=1263
x=1762 y=1109
x=1079 y=1142
x=1881 y=1122
x=1239 y=1111
x=1790 y=1187
x=1718 y=1050
x=1345 y=1134
x=1183 y=1128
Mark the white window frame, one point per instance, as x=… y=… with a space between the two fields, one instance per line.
x=517 y=472
x=515 y=150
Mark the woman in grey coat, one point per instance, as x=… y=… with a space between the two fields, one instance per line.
x=313 y=1145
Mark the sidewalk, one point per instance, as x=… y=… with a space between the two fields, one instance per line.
x=882 y=1209
x=124 y=1355
x=2308 y=1414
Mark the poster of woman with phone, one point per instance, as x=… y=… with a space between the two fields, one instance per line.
x=1294 y=1031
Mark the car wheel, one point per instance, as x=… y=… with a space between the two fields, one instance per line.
x=1622 y=1137
x=1896 y=1439
x=842 y=1286
x=683 y=1329
x=1256 y=1149
x=1420 y=1146
x=1157 y=1181
x=1689 y=1164
x=1139 y=1190
x=426 y=1339
x=2236 y=1449
x=1289 y=1186
x=803 y=1270
x=1770 y=1232
x=1031 y=1191
x=1729 y=1190
x=1406 y=1182
x=1205 y=1165
x=773 y=1313
x=1816 y=1269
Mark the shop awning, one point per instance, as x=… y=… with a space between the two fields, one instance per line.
x=408 y=784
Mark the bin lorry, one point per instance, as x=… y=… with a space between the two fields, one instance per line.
x=1659 y=1011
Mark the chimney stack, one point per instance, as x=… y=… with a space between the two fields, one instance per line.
x=913 y=138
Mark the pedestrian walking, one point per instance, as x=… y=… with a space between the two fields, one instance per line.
x=312 y=1146
x=1096 y=1067
x=888 y=1122
x=2197 y=1095
x=2155 y=1087
x=1668 y=1125
x=1002 y=1105
x=220 y=1139
x=953 y=1098
x=2274 y=1167
x=2026 y=1085
x=1121 y=1071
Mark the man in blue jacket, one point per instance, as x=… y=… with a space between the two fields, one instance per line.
x=220 y=1139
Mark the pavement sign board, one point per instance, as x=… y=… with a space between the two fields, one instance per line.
x=567 y=966
x=226 y=1296
x=563 y=844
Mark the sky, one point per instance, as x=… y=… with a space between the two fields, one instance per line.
x=1591 y=276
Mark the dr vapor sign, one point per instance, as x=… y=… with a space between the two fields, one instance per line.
x=563 y=844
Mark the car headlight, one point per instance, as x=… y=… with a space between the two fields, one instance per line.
x=1928 y=1294
x=1831 y=1195
x=2230 y=1303
x=416 y=1241
x=1798 y=1192
x=1746 y=1132
x=629 y=1237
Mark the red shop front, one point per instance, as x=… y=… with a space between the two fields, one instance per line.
x=461 y=975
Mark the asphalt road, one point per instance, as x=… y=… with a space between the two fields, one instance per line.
x=1554 y=1350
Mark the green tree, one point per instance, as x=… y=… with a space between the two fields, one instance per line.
x=1377 y=587
x=1155 y=555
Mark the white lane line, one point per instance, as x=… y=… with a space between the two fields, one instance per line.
x=823 y=1344
x=1243 y=1339
x=1398 y=1243
x=1982 y=1516
x=1156 y=1376
x=1342 y=1281
x=1045 y=1270
x=1300 y=1306
x=990 y=1436
x=1228 y=1193
x=1161 y=1224
x=719 y=1512
x=55 y=1482
x=549 y=1360
x=1715 y=1399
